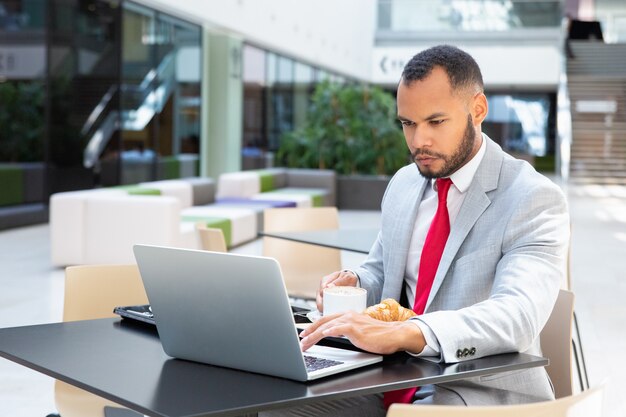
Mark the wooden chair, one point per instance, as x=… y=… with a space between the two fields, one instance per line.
x=302 y=265
x=556 y=344
x=91 y=292
x=585 y=404
x=210 y=238
x=577 y=344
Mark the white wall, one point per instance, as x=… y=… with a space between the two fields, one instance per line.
x=22 y=62
x=334 y=34
x=515 y=67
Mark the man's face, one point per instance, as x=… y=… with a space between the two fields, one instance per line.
x=438 y=125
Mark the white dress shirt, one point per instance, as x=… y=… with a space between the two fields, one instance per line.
x=461 y=180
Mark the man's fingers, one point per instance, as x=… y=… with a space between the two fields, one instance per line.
x=343 y=278
x=318 y=323
x=331 y=279
x=315 y=332
x=319 y=302
x=336 y=279
x=325 y=282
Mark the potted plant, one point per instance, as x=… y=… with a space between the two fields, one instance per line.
x=351 y=129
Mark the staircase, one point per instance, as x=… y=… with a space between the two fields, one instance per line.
x=597 y=74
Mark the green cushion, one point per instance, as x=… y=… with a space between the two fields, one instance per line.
x=318 y=200
x=144 y=191
x=267 y=181
x=12 y=188
x=138 y=190
x=215 y=223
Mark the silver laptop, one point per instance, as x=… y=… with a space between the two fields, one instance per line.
x=233 y=311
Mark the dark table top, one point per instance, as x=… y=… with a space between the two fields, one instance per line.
x=355 y=240
x=124 y=362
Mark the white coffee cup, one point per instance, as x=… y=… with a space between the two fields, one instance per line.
x=340 y=299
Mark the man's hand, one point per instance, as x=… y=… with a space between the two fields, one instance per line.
x=366 y=333
x=339 y=278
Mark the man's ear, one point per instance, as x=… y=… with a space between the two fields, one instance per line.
x=479 y=108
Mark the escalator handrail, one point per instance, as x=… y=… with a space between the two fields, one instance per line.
x=98 y=111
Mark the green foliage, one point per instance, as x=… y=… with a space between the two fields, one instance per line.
x=351 y=129
x=21 y=122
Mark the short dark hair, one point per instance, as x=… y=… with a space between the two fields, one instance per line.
x=463 y=71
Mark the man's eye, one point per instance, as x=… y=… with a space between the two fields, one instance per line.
x=437 y=122
x=406 y=123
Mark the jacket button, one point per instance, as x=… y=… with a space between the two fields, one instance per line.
x=472 y=351
x=459 y=354
x=465 y=352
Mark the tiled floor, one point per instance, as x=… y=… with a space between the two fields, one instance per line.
x=31 y=292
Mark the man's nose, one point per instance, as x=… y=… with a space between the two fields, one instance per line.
x=420 y=138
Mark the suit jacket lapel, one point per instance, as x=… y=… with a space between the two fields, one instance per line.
x=475 y=203
x=403 y=225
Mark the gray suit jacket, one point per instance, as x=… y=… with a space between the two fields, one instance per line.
x=499 y=274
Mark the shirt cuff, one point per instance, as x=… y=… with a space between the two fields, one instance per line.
x=432 y=350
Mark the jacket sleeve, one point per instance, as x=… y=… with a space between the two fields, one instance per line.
x=525 y=287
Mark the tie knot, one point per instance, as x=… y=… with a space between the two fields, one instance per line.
x=443 y=185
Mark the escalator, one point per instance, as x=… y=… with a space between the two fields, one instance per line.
x=140 y=104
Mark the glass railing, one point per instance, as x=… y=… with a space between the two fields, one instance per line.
x=148 y=97
x=613 y=25
x=467 y=15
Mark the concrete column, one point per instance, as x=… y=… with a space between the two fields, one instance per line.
x=222 y=107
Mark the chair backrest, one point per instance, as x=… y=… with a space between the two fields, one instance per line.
x=211 y=238
x=556 y=344
x=586 y=404
x=92 y=291
x=567 y=285
x=302 y=265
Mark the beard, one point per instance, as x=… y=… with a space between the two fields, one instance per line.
x=450 y=162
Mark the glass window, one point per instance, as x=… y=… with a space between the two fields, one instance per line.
x=322 y=75
x=186 y=95
x=22 y=15
x=272 y=63
x=519 y=122
x=303 y=86
x=76 y=123
x=84 y=94
x=254 y=78
x=279 y=99
x=282 y=103
x=138 y=145
x=284 y=72
x=277 y=93
x=253 y=65
x=161 y=103
x=467 y=15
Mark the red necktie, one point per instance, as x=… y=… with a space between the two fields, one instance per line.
x=434 y=244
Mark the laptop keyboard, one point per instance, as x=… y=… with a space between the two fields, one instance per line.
x=315 y=364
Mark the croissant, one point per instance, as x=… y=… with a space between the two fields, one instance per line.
x=389 y=310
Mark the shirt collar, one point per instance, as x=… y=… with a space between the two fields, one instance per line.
x=462 y=177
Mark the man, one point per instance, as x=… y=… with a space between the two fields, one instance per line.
x=483 y=268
